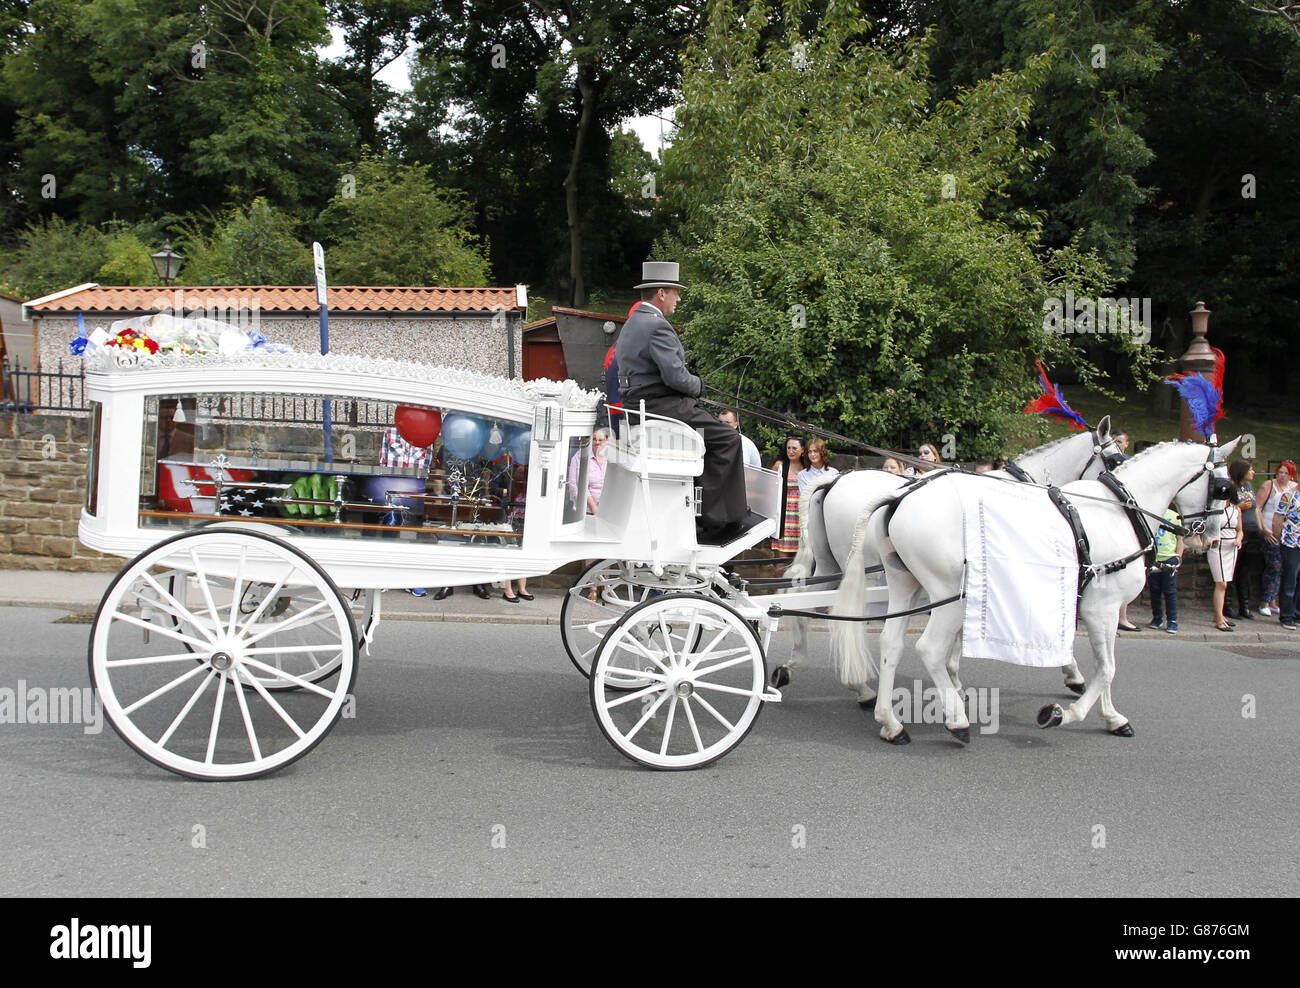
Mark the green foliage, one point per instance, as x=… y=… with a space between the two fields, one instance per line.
x=256 y=246
x=840 y=229
x=128 y=262
x=54 y=254
x=401 y=229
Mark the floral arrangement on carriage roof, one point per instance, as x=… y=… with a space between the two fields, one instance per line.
x=131 y=342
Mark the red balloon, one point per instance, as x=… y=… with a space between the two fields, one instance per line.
x=418 y=426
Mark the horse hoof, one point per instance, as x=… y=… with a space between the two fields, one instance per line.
x=867 y=704
x=962 y=734
x=1051 y=715
x=781 y=676
x=900 y=738
x=1125 y=730
x=1076 y=688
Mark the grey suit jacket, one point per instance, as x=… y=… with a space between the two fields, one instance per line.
x=649 y=352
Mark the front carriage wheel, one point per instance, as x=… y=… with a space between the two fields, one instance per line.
x=678 y=681
x=205 y=696
x=603 y=593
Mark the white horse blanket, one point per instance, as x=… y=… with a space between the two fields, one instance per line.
x=1022 y=576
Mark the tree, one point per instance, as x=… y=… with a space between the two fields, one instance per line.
x=394 y=226
x=253 y=246
x=377 y=33
x=535 y=88
x=856 y=240
x=54 y=254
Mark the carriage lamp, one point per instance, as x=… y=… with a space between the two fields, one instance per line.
x=167 y=263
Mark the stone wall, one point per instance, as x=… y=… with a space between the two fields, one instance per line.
x=43 y=473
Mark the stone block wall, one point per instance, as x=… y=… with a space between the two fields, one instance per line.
x=42 y=490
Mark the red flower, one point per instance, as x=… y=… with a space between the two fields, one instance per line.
x=150 y=345
x=126 y=334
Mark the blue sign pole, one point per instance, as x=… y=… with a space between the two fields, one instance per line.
x=322 y=299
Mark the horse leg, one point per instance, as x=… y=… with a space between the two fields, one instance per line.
x=935 y=647
x=891 y=651
x=1074 y=681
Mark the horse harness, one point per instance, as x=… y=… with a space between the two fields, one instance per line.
x=1137 y=516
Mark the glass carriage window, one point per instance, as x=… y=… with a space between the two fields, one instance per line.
x=575 y=487
x=92 y=461
x=335 y=465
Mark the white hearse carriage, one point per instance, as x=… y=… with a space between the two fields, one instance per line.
x=263 y=517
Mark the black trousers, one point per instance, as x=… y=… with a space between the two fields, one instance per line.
x=723 y=479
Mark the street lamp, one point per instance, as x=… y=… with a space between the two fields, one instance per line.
x=167 y=263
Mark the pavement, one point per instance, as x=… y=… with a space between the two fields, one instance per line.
x=80 y=593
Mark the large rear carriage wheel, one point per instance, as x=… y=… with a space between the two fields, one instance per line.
x=223 y=654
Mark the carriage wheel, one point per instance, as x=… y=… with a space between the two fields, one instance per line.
x=305 y=655
x=224 y=716
x=584 y=621
x=678 y=681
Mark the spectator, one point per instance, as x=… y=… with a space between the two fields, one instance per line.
x=820 y=458
x=1250 y=557
x=750 y=451
x=1163 y=580
x=1266 y=504
x=891 y=465
x=928 y=453
x=1286 y=531
x=796 y=459
x=517 y=589
x=595 y=471
x=1223 y=556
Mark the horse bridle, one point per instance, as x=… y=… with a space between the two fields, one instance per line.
x=1109 y=461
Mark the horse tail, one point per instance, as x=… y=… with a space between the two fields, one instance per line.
x=805 y=560
x=849 y=650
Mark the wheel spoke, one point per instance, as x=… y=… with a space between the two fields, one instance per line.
x=629 y=697
x=198 y=643
x=182 y=613
x=690 y=719
x=742 y=658
x=668 y=639
x=266 y=601
x=629 y=638
x=216 y=721
x=237 y=590
x=650 y=712
x=286 y=650
x=165 y=688
x=201 y=576
x=668 y=727
x=719 y=688
x=274 y=705
x=189 y=705
x=289 y=623
x=150 y=660
x=702 y=655
x=248 y=720
x=288 y=677
x=716 y=716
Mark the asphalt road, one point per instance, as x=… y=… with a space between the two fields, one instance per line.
x=474 y=767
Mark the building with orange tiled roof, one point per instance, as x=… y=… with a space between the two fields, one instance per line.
x=475 y=328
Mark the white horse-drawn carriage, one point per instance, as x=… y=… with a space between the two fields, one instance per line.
x=262 y=521
x=261 y=529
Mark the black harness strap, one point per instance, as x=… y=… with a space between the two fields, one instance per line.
x=1082 y=547
x=1017 y=471
x=1137 y=518
x=776 y=610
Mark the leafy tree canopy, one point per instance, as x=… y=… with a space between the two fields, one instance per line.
x=855 y=240
x=392 y=225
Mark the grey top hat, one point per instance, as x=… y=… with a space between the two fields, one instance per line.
x=660 y=274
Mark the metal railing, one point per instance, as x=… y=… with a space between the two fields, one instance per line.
x=40 y=390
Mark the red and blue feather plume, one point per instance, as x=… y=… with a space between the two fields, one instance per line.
x=1052 y=403
x=1204 y=398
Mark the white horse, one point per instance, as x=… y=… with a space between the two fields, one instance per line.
x=921 y=541
x=829 y=513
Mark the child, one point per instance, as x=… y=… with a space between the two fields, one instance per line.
x=1163 y=578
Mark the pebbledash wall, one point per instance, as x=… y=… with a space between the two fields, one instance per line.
x=43 y=478
x=469 y=341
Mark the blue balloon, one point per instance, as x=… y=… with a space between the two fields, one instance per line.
x=521 y=444
x=463 y=435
